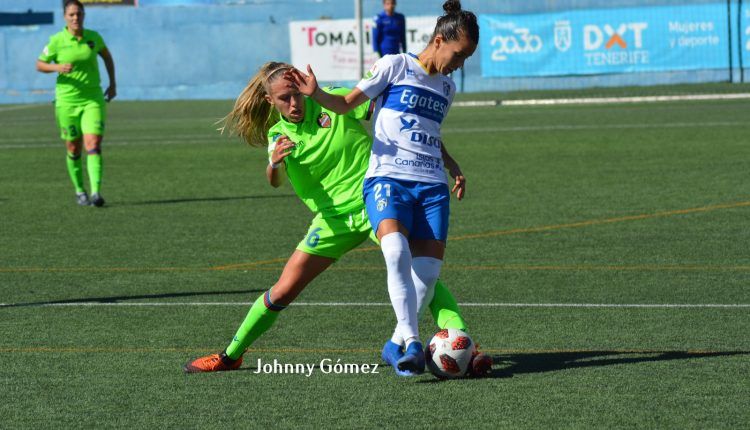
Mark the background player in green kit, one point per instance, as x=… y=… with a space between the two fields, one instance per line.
x=325 y=156
x=79 y=102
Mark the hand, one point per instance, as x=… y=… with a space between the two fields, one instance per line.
x=283 y=148
x=460 y=185
x=110 y=93
x=306 y=84
x=64 y=68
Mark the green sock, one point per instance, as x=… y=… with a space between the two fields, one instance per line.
x=75 y=170
x=94 y=167
x=261 y=317
x=445 y=309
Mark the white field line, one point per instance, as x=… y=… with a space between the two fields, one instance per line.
x=21 y=107
x=573 y=127
x=16 y=143
x=601 y=100
x=376 y=304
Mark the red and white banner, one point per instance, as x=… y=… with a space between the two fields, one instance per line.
x=330 y=46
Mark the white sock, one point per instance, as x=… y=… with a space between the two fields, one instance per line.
x=401 y=290
x=425 y=272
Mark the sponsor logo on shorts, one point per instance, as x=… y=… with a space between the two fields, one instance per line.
x=382 y=204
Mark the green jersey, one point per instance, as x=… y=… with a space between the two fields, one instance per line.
x=83 y=82
x=330 y=157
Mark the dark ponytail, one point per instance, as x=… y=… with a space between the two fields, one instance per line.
x=456 y=21
x=72 y=2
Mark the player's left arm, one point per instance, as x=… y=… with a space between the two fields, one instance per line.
x=455 y=171
x=109 y=63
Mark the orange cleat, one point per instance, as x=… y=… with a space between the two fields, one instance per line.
x=481 y=365
x=212 y=363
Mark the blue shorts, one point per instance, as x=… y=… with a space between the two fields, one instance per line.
x=423 y=208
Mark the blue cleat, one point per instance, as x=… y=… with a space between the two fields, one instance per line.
x=392 y=353
x=413 y=359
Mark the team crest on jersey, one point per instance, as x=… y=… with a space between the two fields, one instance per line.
x=382 y=204
x=324 y=120
x=91 y=44
x=446 y=88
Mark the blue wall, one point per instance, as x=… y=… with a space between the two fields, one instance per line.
x=209 y=52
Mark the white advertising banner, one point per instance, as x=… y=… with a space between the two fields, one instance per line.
x=330 y=46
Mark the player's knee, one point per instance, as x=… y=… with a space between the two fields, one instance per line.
x=283 y=294
x=395 y=247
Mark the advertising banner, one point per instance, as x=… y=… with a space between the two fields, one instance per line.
x=622 y=40
x=330 y=46
x=109 y=2
x=745 y=30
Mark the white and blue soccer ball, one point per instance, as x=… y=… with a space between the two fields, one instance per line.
x=449 y=353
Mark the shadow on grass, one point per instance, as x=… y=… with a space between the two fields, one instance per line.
x=505 y=366
x=202 y=199
x=553 y=361
x=121 y=299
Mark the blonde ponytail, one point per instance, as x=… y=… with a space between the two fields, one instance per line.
x=252 y=115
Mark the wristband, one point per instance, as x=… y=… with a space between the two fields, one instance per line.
x=273 y=165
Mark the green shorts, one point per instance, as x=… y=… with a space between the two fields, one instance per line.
x=78 y=119
x=334 y=236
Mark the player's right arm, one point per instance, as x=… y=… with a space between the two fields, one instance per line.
x=43 y=67
x=279 y=148
x=46 y=61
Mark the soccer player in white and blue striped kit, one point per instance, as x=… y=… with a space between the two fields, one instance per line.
x=405 y=187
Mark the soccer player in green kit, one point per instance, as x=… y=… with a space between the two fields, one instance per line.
x=325 y=156
x=80 y=107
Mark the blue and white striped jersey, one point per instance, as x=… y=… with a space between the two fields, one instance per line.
x=410 y=106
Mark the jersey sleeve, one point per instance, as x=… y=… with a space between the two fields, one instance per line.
x=49 y=53
x=380 y=75
x=361 y=112
x=98 y=41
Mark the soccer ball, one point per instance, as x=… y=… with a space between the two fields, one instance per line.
x=449 y=353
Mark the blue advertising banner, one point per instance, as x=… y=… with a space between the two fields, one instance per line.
x=623 y=40
x=745 y=29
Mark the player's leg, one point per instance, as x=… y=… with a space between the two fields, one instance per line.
x=445 y=310
x=326 y=241
x=300 y=269
x=69 y=122
x=443 y=307
x=389 y=208
x=92 y=126
x=428 y=238
x=431 y=234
